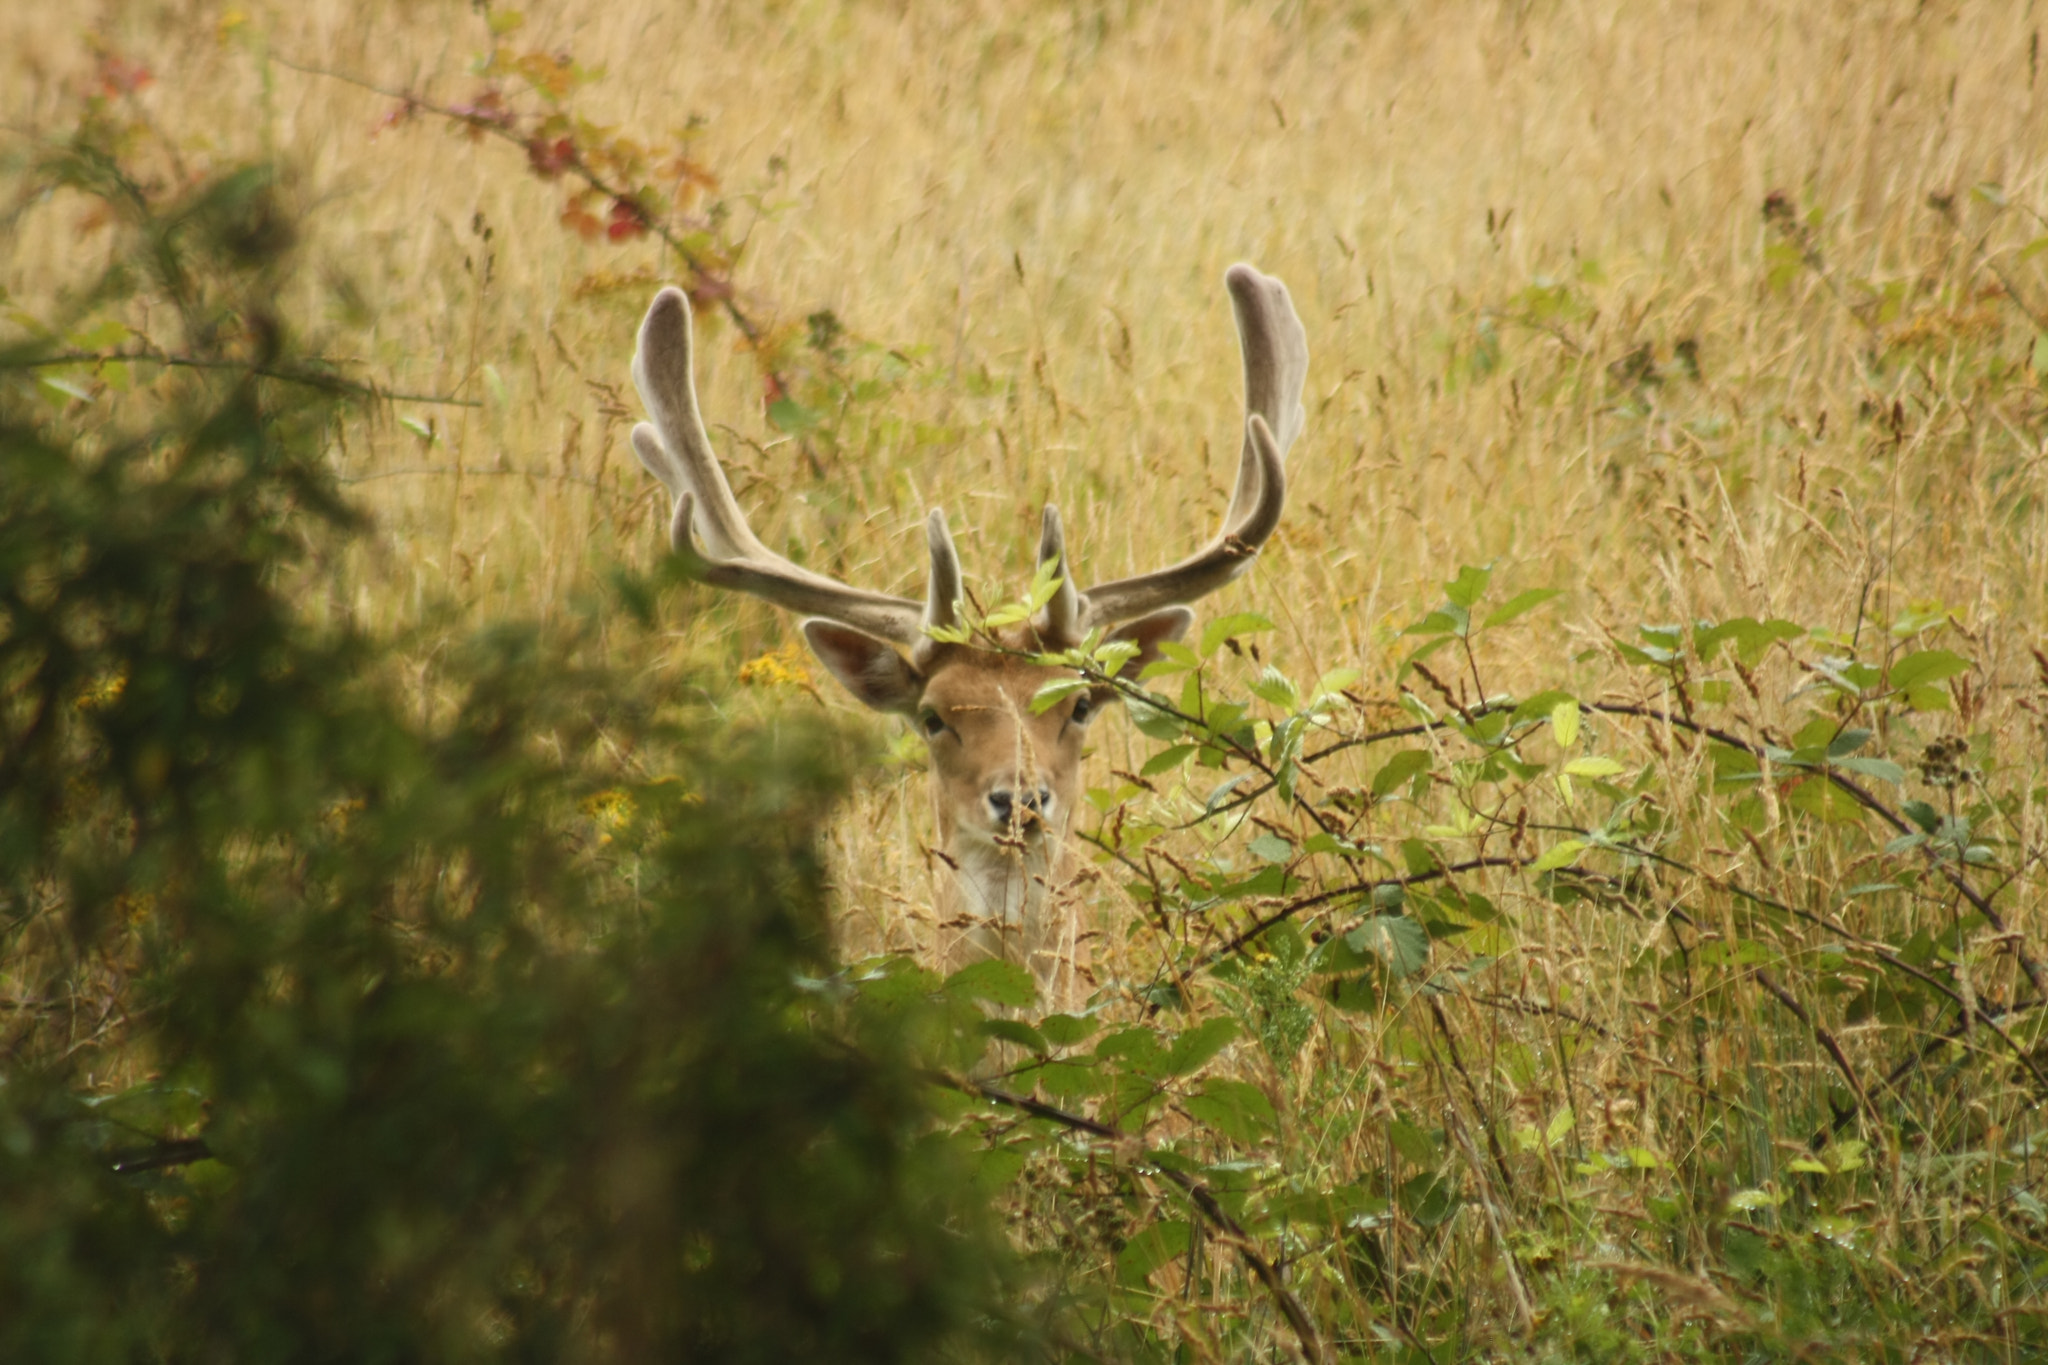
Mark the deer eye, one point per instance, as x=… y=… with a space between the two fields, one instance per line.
x=1084 y=707
x=932 y=724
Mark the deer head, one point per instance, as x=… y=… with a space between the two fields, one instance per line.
x=1004 y=781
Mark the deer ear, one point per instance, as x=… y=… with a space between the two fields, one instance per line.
x=868 y=667
x=1148 y=633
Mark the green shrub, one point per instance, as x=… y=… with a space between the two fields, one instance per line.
x=352 y=1020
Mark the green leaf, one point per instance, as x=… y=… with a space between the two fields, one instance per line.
x=1223 y=789
x=1065 y=1030
x=419 y=429
x=1055 y=692
x=1848 y=741
x=1818 y=797
x=1009 y=614
x=1150 y=1250
x=1136 y=1048
x=1593 y=765
x=1277 y=689
x=1430 y=1199
x=1068 y=1080
x=1195 y=1047
x=1882 y=769
x=1239 y=1111
x=1520 y=603
x=1538 y=707
x=1229 y=627
x=788 y=415
x=1174 y=657
x=1398 y=770
x=1016 y=1031
x=997 y=1167
x=1564 y=723
x=1396 y=940
x=1155 y=721
x=1045 y=584
x=1926 y=666
x=104 y=334
x=1272 y=848
x=1440 y=622
x=1112 y=657
x=1271 y=880
x=1416 y=1146
x=1002 y=983
x=1469 y=586
x=1928 y=699
x=1563 y=853
x=1166 y=760
x=1752 y=638
x=1922 y=814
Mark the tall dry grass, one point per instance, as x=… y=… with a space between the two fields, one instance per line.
x=1047 y=195
x=1514 y=233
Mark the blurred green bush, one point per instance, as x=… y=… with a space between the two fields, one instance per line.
x=351 y=1020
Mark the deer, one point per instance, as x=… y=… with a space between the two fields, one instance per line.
x=1005 y=779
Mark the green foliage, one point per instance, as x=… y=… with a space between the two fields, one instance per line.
x=1334 y=1058
x=355 y=1020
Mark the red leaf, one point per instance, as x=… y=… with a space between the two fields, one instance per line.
x=550 y=159
x=627 y=220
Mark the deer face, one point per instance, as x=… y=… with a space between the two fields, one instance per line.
x=1001 y=775
x=1003 y=778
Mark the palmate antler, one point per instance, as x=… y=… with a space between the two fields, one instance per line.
x=675 y=448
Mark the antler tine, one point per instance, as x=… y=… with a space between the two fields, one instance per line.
x=677 y=451
x=1275 y=347
x=1059 y=624
x=943 y=589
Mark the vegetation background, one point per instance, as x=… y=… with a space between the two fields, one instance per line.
x=1728 y=314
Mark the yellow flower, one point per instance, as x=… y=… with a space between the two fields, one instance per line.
x=611 y=809
x=783 y=668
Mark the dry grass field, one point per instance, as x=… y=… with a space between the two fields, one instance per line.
x=1694 y=311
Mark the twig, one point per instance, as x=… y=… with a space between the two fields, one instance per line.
x=1500 y=1160
x=312 y=379
x=173 y=1152
x=1198 y=1194
x=1358 y=889
x=1825 y=1038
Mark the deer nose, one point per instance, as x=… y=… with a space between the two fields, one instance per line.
x=1008 y=805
